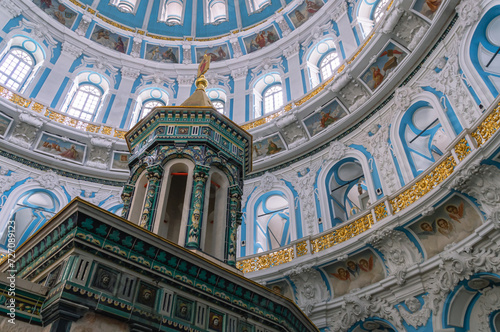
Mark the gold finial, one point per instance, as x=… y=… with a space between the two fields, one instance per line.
x=201 y=83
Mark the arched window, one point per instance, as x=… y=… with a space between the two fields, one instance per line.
x=126 y=6
x=216 y=11
x=15 y=67
x=256 y=6
x=267 y=94
x=171 y=12
x=147 y=106
x=219 y=106
x=85 y=102
x=322 y=61
x=347 y=190
x=86 y=96
x=273 y=98
x=482 y=65
x=370 y=13
x=272 y=222
x=147 y=100
x=424 y=138
x=30 y=213
x=329 y=63
x=218 y=98
x=379 y=11
x=19 y=62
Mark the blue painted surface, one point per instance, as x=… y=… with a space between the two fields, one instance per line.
x=125 y=114
x=108 y=109
x=316 y=201
x=471 y=90
x=56 y=52
x=231 y=105
x=90 y=29
x=129 y=19
x=7 y=193
x=77 y=22
x=118 y=79
x=396 y=164
x=157 y=27
x=76 y=64
x=354 y=30
x=342 y=51
x=40 y=82
x=464 y=285
x=288 y=91
x=248 y=19
x=298 y=218
x=450 y=113
x=336 y=28
x=427 y=327
x=247 y=107
x=303 y=76
x=479 y=39
x=388 y=327
x=244 y=223
x=210 y=30
x=39 y=215
x=14 y=22
x=407 y=123
x=58 y=95
x=375 y=175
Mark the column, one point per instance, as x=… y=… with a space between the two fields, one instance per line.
x=233 y=223
x=127 y=199
x=154 y=174
x=291 y=54
x=114 y=118
x=185 y=84
x=239 y=75
x=10 y=10
x=339 y=15
x=58 y=74
x=197 y=206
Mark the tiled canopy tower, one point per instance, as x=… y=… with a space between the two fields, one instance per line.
x=212 y=151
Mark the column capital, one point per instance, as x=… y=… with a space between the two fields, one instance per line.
x=201 y=173
x=155 y=171
x=235 y=191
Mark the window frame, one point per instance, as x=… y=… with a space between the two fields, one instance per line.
x=214 y=101
x=97 y=106
x=254 y=8
x=30 y=72
x=332 y=68
x=287 y=229
x=121 y=5
x=143 y=96
x=265 y=91
x=141 y=113
x=163 y=15
x=209 y=18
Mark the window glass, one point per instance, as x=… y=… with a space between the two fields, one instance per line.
x=85 y=102
x=15 y=67
x=273 y=99
x=328 y=65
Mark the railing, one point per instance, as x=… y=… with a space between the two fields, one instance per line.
x=464 y=144
x=60 y=117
